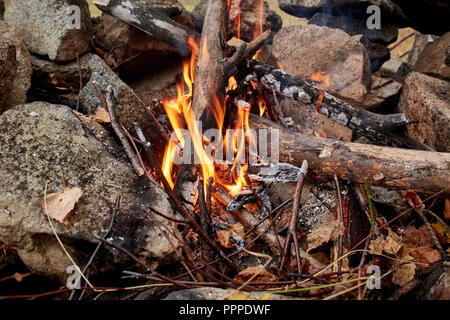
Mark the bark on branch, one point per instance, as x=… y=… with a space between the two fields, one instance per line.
x=422 y=171
x=210 y=80
x=374 y=126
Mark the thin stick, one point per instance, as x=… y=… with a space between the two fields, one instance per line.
x=108 y=105
x=91 y=259
x=176 y=202
x=432 y=234
x=59 y=240
x=292 y=235
x=81 y=81
x=341 y=219
x=270 y=214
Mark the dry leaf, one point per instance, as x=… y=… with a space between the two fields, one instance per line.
x=404 y=272
x=20 y=276
x=414 y=237
x=266 y=297
x=413 y=200
x=328 y=232
x=442 y=232
x=102 y=116
x=424 y=254
x=259 y=273
x=391 y=245
x=237 y=296
x=60 y=204
x=447 y=209
x=238 y=229
x=224 y=238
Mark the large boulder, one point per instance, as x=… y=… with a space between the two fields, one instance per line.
x=47 y=145
x=435 y=58
x=385 y=35
x=356 y=9
x=426 y=16
x=130 y=107
x=423 y=15
x=306 y=50
x=15 y=68
x=51 y=74
x=426 y=102
x=47 y=27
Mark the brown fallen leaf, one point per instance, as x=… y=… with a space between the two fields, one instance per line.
x=327 y=232
x=238 y=229
x=414 y=237
x=405 y=271
x=414 y=200
x=102 y=116
x=258 y=273
x=424 y=254
x=392 y=244
x=224 y=238
x=60 y=204
x=447 y=209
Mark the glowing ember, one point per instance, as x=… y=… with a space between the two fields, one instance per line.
x=324 y=83
x=322 y=78
x=321 y=133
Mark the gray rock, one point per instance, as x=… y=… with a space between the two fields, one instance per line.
x=386 y=35
x=306 y=50
x=45 y=72
x=45 y=26
x=426 y=100
x=378 y=55
x=433 y=59
x=131 y=108
x=395 y=68
x=216 y=294
x=57 y=150
x=428 y=17
x=302 y=8
x=15 y=68
x=384 y=94
x=356 y=9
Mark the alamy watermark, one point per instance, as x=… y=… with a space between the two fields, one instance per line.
x=74 y=17
x=374 y=21
x=239 y=146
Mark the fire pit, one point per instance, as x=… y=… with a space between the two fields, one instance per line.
x=225 y=153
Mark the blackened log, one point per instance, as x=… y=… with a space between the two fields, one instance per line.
x=378 y=128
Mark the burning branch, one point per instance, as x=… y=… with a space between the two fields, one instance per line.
x=176 y=202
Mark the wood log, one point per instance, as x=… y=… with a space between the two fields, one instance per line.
x=422 y=171
x=376 y=127
x=154 y=20
x=210 y=80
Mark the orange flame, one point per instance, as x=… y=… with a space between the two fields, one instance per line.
x=181 y=116
x=321 y=133
x=324 y=81
x=322 y=78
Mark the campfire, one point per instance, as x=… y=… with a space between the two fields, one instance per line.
x=218 y=151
